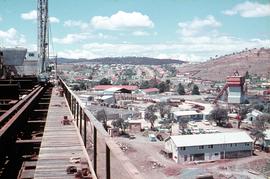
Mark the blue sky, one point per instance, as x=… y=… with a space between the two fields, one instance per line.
x=181 y=29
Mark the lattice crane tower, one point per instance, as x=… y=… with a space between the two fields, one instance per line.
x=43 y=40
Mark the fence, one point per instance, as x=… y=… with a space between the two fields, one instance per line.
x=108 y=160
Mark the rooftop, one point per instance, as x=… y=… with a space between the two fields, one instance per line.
x=105 y=87
x=148 y=90
x=185 y=113
x=211 y=139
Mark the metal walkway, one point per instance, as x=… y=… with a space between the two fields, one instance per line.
x=61 y=145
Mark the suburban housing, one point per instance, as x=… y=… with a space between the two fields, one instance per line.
x=209 y=146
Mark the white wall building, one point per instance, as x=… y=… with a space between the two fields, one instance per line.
x=252 y=116
x=191 y=115
x=215 y=146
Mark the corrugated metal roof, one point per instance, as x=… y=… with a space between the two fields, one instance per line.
x=104 y=87
x=211 y=139
x=185 y=113
x=148 y=90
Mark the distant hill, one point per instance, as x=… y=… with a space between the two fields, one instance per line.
x=255 y=61
x=123 y=60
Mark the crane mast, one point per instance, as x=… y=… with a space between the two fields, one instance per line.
x=42 y=22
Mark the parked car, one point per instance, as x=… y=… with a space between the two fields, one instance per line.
x=131 y=136
x=195 y=130
x=201 y=131
x=152 y=137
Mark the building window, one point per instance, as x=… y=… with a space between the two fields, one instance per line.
x=201 y=147
x=235 y=144
x=216 y=154
x=210 y=146
x=246 y=144
x=231 y=145
x=182 y=148
x=31 y=54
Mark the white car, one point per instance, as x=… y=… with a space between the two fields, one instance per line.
x=195 y=130
x=206 y=122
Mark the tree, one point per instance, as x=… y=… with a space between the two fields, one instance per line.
x=161 y=86
x=181 y=89
x=259 y=127
x=144 y=85
x=164 y=108
x=257 y=134
x=242 y=114
x=247 y=75
x=121 y=123
x=153 y=83
x=195 y=90
x=105 y=81
x=90 y=77
x=267 y=108
x=219 y=115
x=258 y=106
x=82 y=86
x=189 y=85
x=102 y=117
x=168 y=85
x=183 y=124
x=150 y=115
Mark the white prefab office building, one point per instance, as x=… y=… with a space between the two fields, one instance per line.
x=214 y=146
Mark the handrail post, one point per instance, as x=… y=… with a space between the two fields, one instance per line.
x=77 y=113
x=85 y=129
x=79 y=118
x=108 y=163
x=95 y=149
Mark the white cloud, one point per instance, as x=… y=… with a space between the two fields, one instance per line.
x=54 y=20
x=188 y=48
x=72 y=38
x=249 y=9
x=73 y=23
x=77 y=53
x=32 y=15
x=11 y=38
x=193 y=27
x=140 y=33
x=122 y=20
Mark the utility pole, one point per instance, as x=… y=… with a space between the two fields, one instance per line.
x=42 y=22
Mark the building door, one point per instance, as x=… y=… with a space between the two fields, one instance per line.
x=222 y=155
x=185 y=158
x=198 y=157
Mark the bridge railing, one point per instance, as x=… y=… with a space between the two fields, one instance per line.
x=108 y=160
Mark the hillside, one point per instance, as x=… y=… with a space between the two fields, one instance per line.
x=123 y=60
x=255 y=61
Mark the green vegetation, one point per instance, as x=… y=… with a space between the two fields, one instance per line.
x=181 y=89
x=195 y=90
x=150 y=115
x=105 y=81
x=260 y=126
x=219 y=115
x=164 y=108
x=121 y=123
x=102 y=117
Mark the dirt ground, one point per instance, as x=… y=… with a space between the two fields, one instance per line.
x=145 y=155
